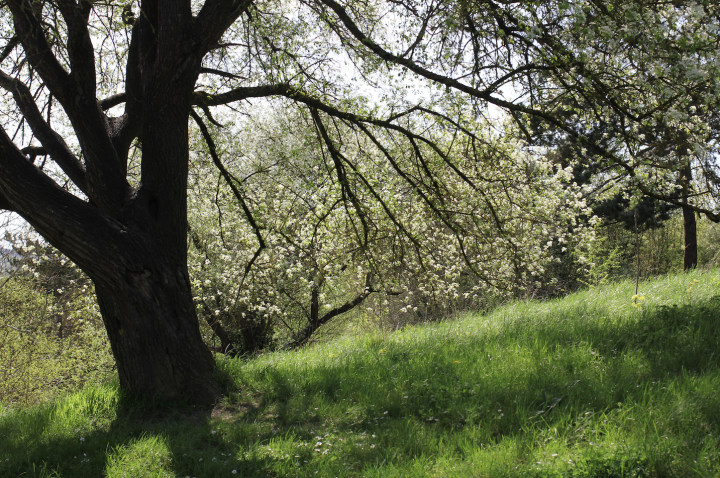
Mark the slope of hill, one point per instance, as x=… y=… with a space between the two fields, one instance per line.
x=600 y=383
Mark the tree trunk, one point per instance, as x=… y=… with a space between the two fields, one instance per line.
x=689 y=222
x=690 y=226
x=155 y=336
x=130 y=240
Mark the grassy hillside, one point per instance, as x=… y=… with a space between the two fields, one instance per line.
x=596 y=384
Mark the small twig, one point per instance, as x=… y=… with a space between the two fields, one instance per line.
x=6 y=326
x=231 y=181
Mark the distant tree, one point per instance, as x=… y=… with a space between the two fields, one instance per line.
x=638 y=81
x=608 y=193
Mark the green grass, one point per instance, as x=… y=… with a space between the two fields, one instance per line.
x=590 y=385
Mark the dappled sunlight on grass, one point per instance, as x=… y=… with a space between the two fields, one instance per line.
x=584 y=386
x=145 y=456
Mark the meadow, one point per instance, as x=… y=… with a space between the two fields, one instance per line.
x=601 y=383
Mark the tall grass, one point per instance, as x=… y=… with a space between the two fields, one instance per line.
x=596 y=384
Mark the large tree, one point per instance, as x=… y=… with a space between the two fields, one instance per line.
x=130 y=240
x=127 y=89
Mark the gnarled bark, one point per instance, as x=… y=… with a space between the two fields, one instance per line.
x=153 y=329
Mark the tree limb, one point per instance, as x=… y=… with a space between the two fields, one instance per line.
x=105 y=180
x=302 y=336
x=53 y=143
x=29 y=30
x=225 y=74
x=14 y=41
x=79 y=45
x=214 y=18
x=415 y=68
x=60 y=217
x=345 y=188
x=110 y=101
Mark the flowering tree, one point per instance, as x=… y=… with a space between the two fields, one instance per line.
x=104 y=95
x=645 y=75
x=316 y=253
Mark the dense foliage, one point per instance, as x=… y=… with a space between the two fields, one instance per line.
x=323 y=255
x=51 y=335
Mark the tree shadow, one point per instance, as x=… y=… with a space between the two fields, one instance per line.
x=142 y=434
x=671 y=341
x=668 y=342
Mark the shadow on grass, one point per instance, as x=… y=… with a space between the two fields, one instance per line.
x=130 y=438
x=461 y=393
x=566 y=373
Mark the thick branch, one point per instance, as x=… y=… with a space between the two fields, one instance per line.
x=79 y=46
x=225 y=74
x=288 y=91
x=37 y=49
x=5 y=204
x=53 y=143
x=105 y=179
x=34 y=151
x=14 y=41
x=215 y=18
x=110 y=101
x=201 y=98
x=237 y=94
x=61 y=218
